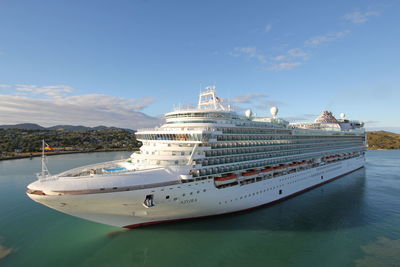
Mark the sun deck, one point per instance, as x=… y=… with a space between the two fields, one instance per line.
x=109 y=168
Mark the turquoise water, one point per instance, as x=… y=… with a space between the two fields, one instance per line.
x=353 y=221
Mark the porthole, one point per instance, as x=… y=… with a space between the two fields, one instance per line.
x=167 y=197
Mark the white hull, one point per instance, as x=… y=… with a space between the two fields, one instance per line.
x=194 y=199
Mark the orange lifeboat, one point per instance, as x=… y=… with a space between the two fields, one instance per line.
x=267 y=169
x=226 y=177
x=248 y=173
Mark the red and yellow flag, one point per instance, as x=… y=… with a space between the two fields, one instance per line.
x=47 y=147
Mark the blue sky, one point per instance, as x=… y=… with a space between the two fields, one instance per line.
x=123 y=63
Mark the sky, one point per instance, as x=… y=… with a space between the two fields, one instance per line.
x=125 y=63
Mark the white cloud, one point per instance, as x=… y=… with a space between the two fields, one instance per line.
x=327 y=38
x=279 y=58
x=267 y=103
x=51 y=91
x=249 y=52
x=244 y=99
x=293 y=58
x=49 y=105
x=284 y=66
x=257 y=101
x=292 y=54
x=297 y=52
x=268 y=28
x=358 y=17
x=5 y=86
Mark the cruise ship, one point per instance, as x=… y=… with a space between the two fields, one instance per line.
x=207 y=160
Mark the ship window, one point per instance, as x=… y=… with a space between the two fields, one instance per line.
x=167 y=197
x=280 y=192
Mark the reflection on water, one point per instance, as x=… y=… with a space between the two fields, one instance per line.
x=353 y=220
x=383 y=252
x=4 y=251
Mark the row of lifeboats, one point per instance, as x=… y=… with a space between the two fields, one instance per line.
x=233 y=178
x=230 y=178
x=335 y=157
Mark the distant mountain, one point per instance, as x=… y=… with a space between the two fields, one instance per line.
x=69 y=128
x=24 y=126
x=33 y=126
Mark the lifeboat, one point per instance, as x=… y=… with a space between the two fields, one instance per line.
x=267 y=169
x=280 y=167
x=248 y=173
x=225 y=179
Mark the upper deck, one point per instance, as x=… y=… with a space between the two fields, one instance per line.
x=211 y=114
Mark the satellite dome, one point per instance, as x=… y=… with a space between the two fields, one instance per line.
x=274 y=111
x=248 y=113
x=342 y=116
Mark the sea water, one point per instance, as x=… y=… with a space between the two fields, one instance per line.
x=352 y=221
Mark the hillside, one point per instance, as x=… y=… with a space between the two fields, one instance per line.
x=20 y=142
x=26 y=126
x=33 y=126
x=383 y=140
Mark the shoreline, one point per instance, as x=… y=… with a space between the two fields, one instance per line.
x=39 y=154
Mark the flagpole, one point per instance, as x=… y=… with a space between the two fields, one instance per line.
x=45 y=172
x=43 y=158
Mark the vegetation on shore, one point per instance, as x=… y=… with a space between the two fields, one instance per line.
x=19 y=143
x=383 y=140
